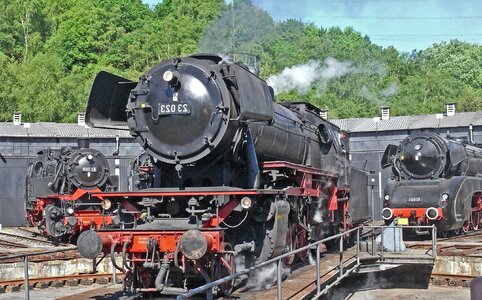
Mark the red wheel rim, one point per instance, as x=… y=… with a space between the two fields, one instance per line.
x=291 y=243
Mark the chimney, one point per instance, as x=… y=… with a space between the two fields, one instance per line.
x=83 y=143
x=385 y=112
x=450 y=108
x=324 y=114
x=17 y=118
x=81 y=119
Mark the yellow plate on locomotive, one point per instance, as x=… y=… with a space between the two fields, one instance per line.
x=402 y=221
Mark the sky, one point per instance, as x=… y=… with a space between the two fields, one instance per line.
x=404 y=24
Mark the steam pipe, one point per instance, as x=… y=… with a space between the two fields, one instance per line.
x=124 y=257
x=176 y=257
x=112 y=257
x=471 y=134
x=117 y=146
x=162 y=273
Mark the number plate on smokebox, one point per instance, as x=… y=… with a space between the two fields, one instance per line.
x=174 y=109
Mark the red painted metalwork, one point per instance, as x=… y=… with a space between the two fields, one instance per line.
x=476 y=214
x=419 y=213
x=224 y=212
x=90 y=218
x=167 y=240
x=180 y=193
x=75 y=196
x=86 y=219
x=332 y=199
x=477 y=202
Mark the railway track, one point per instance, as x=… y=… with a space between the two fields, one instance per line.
x=463 y=245
x=468 y=244
x=451 y=279
x=23 y=240
x=19 y=240
x=60 y=281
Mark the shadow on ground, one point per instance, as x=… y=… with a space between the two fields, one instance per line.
x=403 y=277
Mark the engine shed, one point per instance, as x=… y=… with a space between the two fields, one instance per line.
x=20 y=142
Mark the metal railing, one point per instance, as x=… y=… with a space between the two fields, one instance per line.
x=25 y=257
x=208 y=288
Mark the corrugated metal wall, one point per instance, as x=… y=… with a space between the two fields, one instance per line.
x=12 y=189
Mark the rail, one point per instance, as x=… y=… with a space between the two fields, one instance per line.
x=279 y=261
x=208 y=287
x=25 y=257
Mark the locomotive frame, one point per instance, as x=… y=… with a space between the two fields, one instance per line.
x=207 y=243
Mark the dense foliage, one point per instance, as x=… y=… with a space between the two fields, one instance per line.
x=51 y=50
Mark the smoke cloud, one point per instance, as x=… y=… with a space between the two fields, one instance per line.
x=266 y=277
x=379 y=96
x=390 y=91
x=301 y=77
x=239 y=29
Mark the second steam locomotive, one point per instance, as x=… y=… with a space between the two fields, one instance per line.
x=56 y=190
x=435 y=181
x=229 y=177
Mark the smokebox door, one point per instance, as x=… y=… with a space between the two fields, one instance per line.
x=107 y=101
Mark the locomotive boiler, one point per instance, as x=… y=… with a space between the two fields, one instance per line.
x=56 y=186
x=435 y=181
x=227 y=176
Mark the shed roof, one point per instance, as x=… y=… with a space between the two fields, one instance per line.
x=73 y=130
x=460 y=119
x=47 y=129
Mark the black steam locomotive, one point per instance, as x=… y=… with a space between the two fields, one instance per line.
x=436 y=181
x=56 y=186
x=228 y=174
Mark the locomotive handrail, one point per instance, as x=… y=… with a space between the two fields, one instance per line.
x=25 y=263
x=208 y=287
x=342 y=274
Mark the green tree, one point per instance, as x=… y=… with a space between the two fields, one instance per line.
x=459 y=60
x=23 y=27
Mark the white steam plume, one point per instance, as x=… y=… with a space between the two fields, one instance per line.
x=380 y=96
x=266 y=277
x=390 y=91
x=301 y=77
